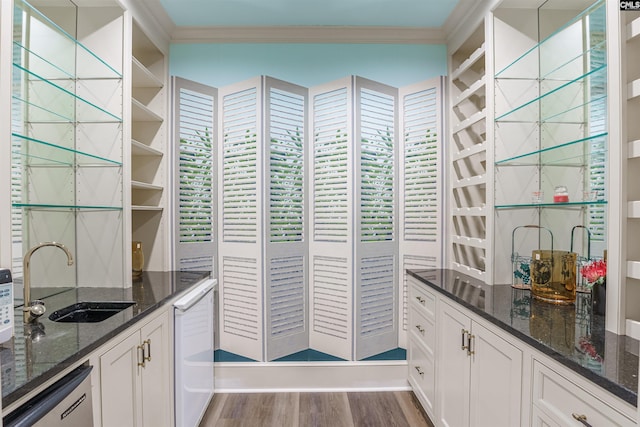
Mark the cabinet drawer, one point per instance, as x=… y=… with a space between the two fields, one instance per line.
x=422 y=374
x=422 y=327
x=424 y=300
x=560 y=399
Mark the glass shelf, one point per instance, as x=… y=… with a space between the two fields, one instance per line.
x=56 y=31
x=556 y=153
x=66 y=102
x=534 y=50
x=51 y=207
x=552 y=205
x=533 y=103
x=43 y=152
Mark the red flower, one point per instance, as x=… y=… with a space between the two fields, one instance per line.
x=595 y=271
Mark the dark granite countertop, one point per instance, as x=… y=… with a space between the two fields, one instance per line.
x=571 y=334
x=41 y=351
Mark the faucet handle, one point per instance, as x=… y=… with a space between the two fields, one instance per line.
x=36 y=308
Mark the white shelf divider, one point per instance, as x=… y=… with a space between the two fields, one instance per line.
x=469 y=241
x=473 y=58
x=633 y=89
x=469 y=151
x=633 y=269
x=633 y=29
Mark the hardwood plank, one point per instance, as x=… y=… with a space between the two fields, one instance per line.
x=321 y=409
x=376 y=409
x=413 y=412
x=256 y=409
x=213 y=410
x=325 y=409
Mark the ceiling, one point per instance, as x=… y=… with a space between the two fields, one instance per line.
x=268 y=13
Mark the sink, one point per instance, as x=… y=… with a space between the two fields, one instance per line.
x=89 y=311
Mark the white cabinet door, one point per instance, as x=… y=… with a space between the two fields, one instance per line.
x=121 y=400
x=136 y=393
x=496 y=378
x=479 y=374
x=156 y=373
x=453 y=368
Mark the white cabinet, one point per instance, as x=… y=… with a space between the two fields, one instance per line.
x=135 y=378
x=557 y=401
x=422 y=342
x=479 y=374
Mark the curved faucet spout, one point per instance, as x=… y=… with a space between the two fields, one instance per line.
x=34 y=309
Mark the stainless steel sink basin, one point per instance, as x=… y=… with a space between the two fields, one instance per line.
x=89 y=312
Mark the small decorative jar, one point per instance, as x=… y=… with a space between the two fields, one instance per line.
x=560 y=194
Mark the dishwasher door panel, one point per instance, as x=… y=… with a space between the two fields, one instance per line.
x=67 y=403
x=194 y=346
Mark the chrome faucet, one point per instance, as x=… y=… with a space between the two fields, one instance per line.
x=34 y=309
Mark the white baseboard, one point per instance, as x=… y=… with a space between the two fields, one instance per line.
x=251 y=377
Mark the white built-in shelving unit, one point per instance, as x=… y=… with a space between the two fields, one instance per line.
x=630 y=132
x=149 y=170
x=467 y=228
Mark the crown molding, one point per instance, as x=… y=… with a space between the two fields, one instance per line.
x=309 y=34
x=155 y=14
x=466 y=16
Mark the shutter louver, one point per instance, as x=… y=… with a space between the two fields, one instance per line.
x=421 y=166
x=239 y=186
x=287 y=297
x=240 y=303
x=330 y=211
x=195 y=202
x=287 y=120
x=330 y=296
x=377 y=295
x=377 y=117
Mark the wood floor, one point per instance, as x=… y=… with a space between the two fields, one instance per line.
x=366 y=409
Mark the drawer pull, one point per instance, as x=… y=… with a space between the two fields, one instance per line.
x=420 y=371
x=420 y=329
x=582 y=419
x=421 y=300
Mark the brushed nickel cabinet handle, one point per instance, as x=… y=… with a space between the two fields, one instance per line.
x=464 y=345
x=470 y=342
x=140 y=350
x=148 y=344
x=420 y=329
x=582 y=418
x=421 y=300
x=420 y=371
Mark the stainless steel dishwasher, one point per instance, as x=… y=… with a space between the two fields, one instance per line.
x=65 y=403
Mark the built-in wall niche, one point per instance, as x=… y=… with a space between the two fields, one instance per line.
x=67 y=141
x=550 y=128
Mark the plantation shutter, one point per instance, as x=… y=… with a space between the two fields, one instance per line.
x=195 y=188
x=375 y=290
x=241 y=208
x=420 y=195
x=331 y=201
x=285 y=113
x=353 y=295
